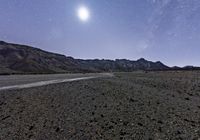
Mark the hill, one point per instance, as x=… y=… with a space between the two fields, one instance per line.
x=15 y=58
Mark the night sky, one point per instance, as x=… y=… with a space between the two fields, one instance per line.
x=164 y=30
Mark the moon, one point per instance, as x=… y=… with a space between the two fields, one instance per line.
x=83 y=13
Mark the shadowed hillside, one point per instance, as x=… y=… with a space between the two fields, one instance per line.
x=16 y=58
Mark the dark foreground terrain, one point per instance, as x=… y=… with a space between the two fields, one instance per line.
x=150 y=106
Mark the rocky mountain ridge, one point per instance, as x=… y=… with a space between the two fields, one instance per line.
x=15 y=58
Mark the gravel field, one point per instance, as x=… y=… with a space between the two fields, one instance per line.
x=128 y=106
x=9 y=80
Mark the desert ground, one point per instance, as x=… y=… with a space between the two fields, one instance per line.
x=126 y=106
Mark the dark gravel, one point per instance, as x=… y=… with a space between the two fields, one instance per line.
x=129 y=106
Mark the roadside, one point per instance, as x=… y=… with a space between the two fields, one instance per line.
x=27 y=81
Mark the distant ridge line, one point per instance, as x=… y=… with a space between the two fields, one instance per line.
x=24 y=59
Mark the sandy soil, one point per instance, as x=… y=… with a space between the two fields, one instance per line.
x=153 y=105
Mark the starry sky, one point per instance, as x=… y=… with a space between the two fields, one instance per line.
x=157 y=30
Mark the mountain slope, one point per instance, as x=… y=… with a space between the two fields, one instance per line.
x=122 y=65
x=20 y=58
x=16 y=58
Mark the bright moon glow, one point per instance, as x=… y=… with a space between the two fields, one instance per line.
x=83 y=13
